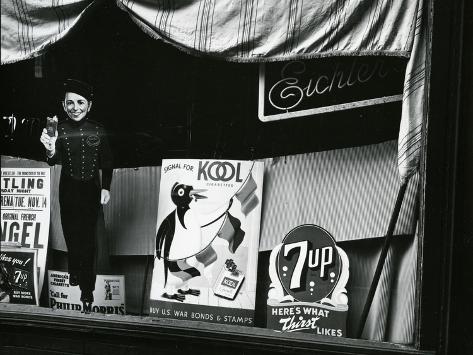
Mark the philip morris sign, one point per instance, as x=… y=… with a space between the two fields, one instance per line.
x=302 y=88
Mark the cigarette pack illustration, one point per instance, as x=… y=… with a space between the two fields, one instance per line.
x=207 y=240
x=229 y=281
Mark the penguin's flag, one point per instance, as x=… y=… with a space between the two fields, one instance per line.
x=181 y=269
x=207 y=256
x=247 y=197
x=232 y=232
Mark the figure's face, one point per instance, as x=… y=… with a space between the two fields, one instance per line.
x=76 y=106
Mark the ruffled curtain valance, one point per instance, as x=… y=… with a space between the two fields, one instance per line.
x=30 y=26
x=252 y=30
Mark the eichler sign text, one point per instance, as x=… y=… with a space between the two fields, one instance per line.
x=302 y=88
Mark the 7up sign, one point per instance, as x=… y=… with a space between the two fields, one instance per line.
x=308 y=273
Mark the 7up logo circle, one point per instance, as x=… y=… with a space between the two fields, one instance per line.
x=308 y=263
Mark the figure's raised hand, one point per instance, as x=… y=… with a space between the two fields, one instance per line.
x=48 y=142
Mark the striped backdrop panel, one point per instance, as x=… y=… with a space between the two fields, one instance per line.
x=349 y=192
x=403 y=294
x=131 y=214
x=392 y=314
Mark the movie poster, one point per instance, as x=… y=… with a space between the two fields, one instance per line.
x=25 y=203
x=207 y=238
x=18 y=276
x=109 y=294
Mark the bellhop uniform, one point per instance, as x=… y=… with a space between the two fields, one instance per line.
x=82 y=148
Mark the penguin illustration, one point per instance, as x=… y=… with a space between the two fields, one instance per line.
x=181 y=195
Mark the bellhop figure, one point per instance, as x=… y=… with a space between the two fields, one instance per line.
x=80 y=145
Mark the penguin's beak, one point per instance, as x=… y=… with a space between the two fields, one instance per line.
x=195 y=193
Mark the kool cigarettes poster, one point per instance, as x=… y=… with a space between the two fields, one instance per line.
x=18 y=276
x=109 y=294
x=25 y=205
x=207 y=238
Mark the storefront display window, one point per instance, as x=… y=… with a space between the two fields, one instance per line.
x=211 y=172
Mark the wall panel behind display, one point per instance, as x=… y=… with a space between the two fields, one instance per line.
x=130 y=217
x=349 y=192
